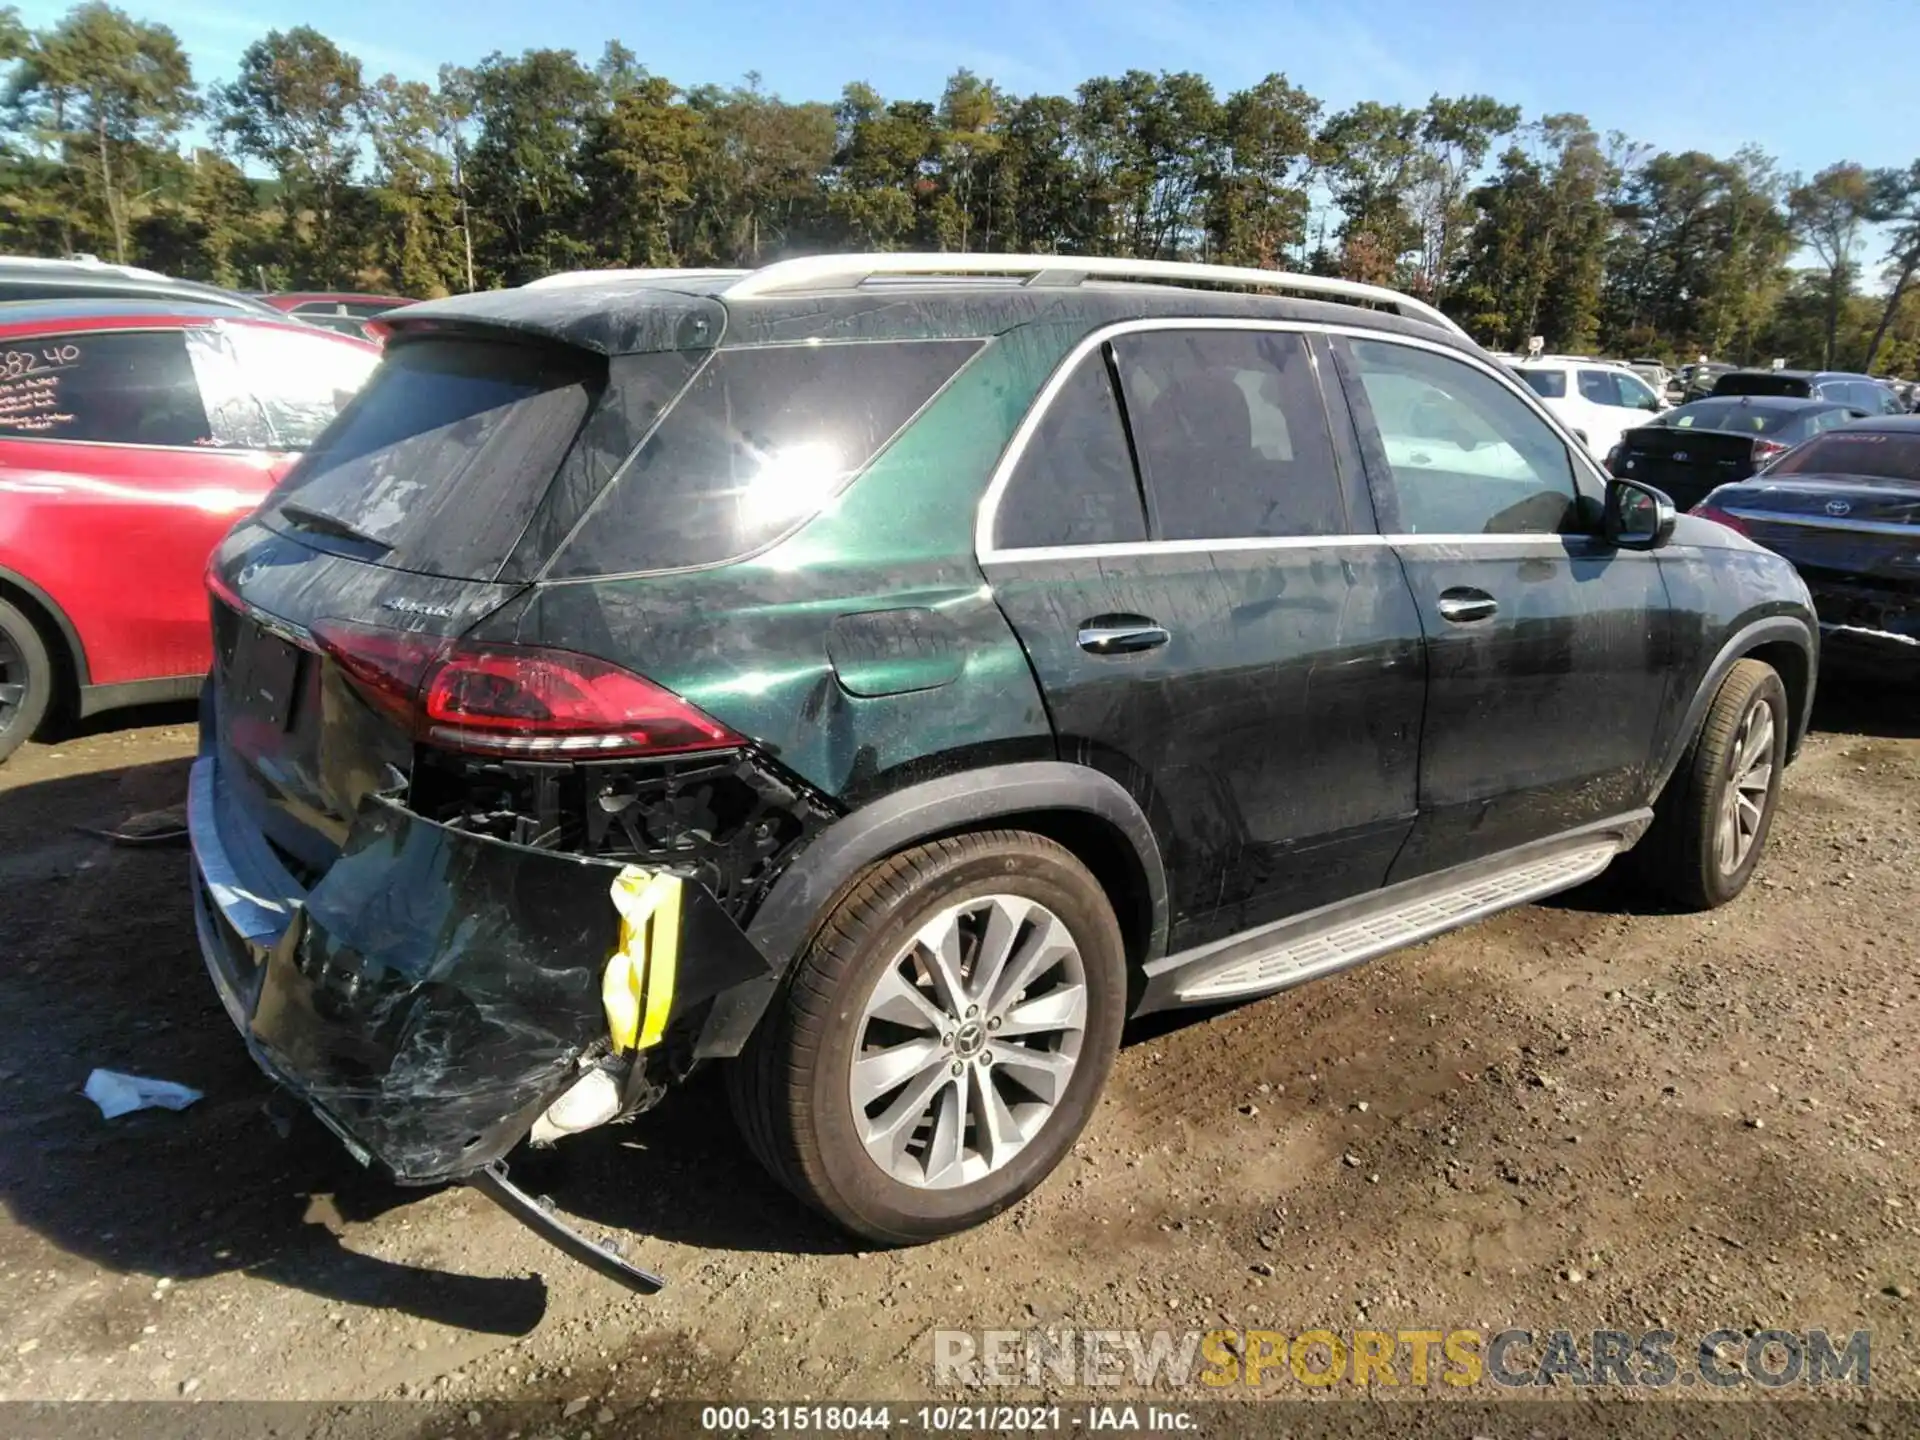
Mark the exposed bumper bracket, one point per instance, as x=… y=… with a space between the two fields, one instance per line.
x=492 y=1182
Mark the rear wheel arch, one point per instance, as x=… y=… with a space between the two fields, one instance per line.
x=1794 y=665
x=1082 y=809
x=892 y=1131
x=69 y=656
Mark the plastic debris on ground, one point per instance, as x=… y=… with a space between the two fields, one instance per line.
x=117 y=1094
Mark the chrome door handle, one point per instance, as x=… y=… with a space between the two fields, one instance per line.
x=1463 y=607
x=1122 y=639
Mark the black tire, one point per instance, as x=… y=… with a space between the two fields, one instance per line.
x=26 y=679
x=1681 y=855
x=790 y=1086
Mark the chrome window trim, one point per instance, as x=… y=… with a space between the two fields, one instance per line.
x=1035 y=554
x=988 y=510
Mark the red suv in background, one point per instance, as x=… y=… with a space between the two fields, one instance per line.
x=345 y=311
x=132 y=435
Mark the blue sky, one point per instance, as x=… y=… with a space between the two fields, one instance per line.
x=1810 y=83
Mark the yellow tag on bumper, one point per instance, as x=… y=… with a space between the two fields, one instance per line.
x=637 y=987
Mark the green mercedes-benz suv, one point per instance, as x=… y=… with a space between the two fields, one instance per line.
x=884 y=675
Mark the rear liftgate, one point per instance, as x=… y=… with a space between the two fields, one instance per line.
x=443 y=995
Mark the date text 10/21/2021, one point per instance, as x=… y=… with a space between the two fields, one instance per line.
x=948 y=1419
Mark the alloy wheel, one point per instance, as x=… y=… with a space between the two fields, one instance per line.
x=967 y=1041
x=1749 y=781
x=13 y=680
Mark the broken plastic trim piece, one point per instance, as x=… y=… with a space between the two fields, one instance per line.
x=493 y=1183
x=637 y=986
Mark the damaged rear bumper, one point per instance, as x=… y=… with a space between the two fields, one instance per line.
x=435 y=991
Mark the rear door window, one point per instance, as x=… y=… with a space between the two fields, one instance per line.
x=1547 y=384
x=761 y=440
x=111 y=387
x=1865 y=395
x=1466 y=455
x=1231 y=433
x=1074 y=483
x=1598 y=388
x=1634 y=393
x=439 y=463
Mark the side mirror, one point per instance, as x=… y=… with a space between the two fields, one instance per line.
x=1638 y=517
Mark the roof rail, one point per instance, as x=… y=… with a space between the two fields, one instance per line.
x=824 y=272
x=569 y=279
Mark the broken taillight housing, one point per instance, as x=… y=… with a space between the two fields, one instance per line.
x=524 y=700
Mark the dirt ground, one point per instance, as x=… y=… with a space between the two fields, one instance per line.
x=1583 y=1113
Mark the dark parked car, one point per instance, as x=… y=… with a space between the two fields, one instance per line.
x=1861 y=392
x=1692 y=448
x=883 y=675
x=1845 y=509
x=86 y=278
x=1697 y=380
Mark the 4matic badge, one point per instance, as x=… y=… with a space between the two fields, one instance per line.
x=404 y=606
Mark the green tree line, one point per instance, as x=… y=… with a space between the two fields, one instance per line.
x=313 y=174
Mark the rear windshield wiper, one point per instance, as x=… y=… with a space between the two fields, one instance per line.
x=314 y=521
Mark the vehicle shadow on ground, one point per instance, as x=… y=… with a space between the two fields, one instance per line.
x=679 y=1173
x=134 y=717
x=1851 y=702
x=102 y=969
x=1847 y=703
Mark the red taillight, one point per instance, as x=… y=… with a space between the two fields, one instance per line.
x=516 y=699
x=223 y=592
x=386 y=666
x=1707 y=510
x=1765 y=450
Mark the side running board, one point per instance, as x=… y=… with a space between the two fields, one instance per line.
x=1343 y=934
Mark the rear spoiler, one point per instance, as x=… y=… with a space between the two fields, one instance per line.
x=575 y=316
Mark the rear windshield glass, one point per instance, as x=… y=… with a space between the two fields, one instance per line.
x=439 y=463
x=1732 y=415
x=1855 y=452
x=1547 y=384
x=762 y=439
x=1738 y=384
